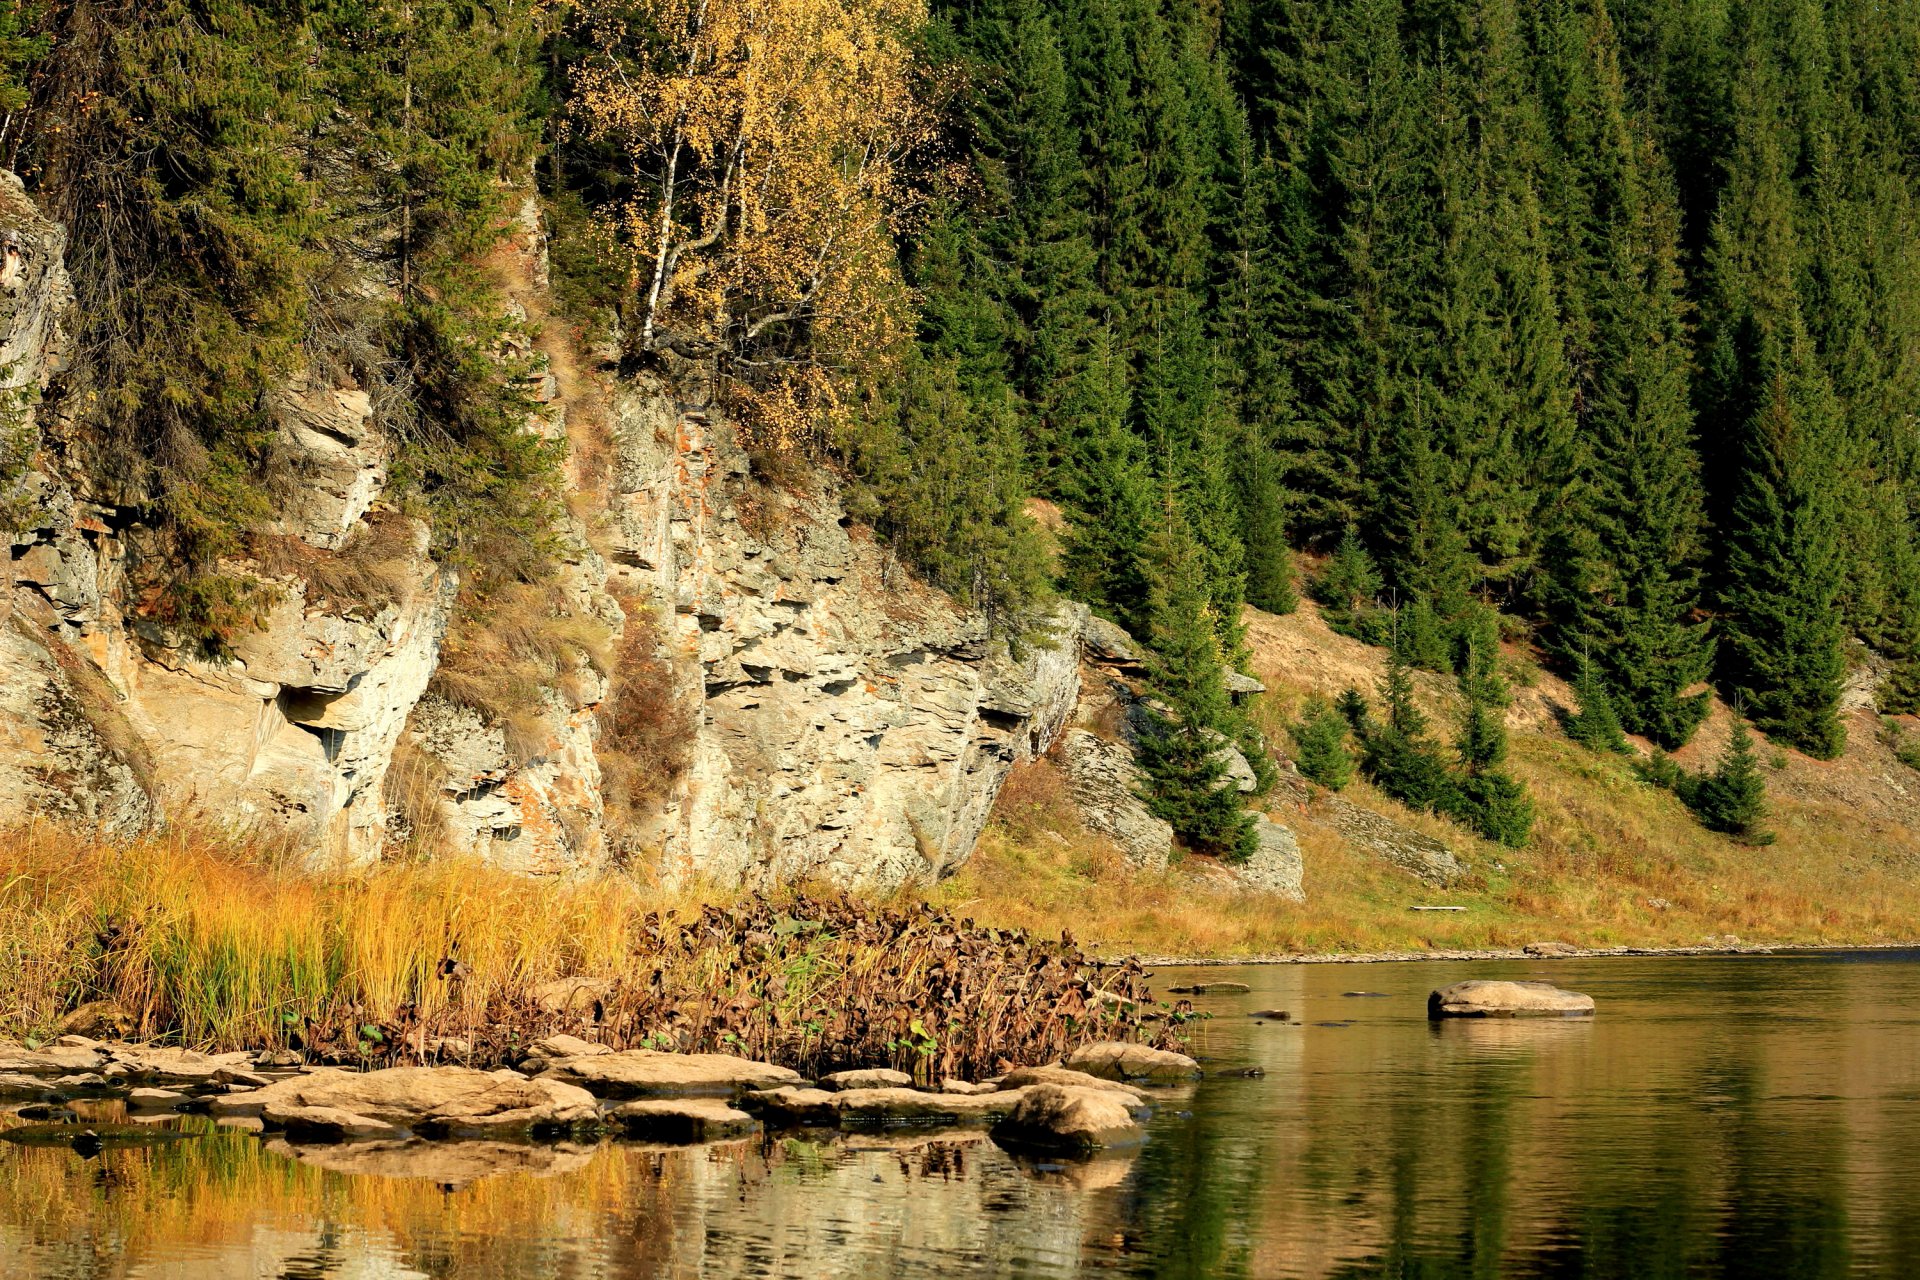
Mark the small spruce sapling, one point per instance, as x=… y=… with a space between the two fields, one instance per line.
x=1594 y=724
x=1320 y=744
x=1733 y=798
x=1488 y=798
x=1347 y=586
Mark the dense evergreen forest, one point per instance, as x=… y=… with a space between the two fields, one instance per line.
x=1593 y=324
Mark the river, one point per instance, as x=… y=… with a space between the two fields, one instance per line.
x=1751 y=1116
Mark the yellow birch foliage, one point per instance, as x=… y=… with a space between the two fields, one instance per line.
x=767 y=142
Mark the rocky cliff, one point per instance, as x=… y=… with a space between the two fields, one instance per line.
x=835 y=718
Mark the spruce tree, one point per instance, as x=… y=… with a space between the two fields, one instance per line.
x=1348 y=586
x=1398 y=754
x=1320 y=745
x=1107 y=490
x=1487 y=798
x=1593 y=723
x=1182 y=748
x=1776 y=437
x=1625 y=545
x=1733 y=798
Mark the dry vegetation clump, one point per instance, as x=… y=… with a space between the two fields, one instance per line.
x=211 y=949
x=373 y=568
x=646 y=730
x=503 y=655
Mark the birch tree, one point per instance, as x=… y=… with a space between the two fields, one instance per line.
x=766 y=143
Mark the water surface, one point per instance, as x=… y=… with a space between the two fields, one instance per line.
x=1722 y=1117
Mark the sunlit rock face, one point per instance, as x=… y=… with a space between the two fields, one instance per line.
x=851 y=723
x=845 y=721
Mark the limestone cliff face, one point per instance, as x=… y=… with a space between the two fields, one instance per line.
x=842 y=720
x=851 y=723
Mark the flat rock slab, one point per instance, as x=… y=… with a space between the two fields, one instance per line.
x=1027 y=1077
x=1068 y=1119
x=1495 y=999
x=645 y=1073
x=881 y=1108
x=60 y=1060
x=439 y=1101
x=172 y=1065
x=868 y=1078
x=682 y=1119
x=953 y=1085
x=1119 y=1060
x=569 y=1047
x=155 y=1099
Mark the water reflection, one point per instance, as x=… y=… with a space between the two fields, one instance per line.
x=1720 y=1118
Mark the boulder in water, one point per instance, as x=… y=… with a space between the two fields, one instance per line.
x=1119 y=1060
x=1500 y=999
x=1068 y=1118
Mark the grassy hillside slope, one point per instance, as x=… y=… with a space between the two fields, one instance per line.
x=1613 y=861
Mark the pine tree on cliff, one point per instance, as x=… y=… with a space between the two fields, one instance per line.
x=1181 y=749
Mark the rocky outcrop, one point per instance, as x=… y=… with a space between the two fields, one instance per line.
x=1275 y=866
x=850 y=724
x=1493 y=999
x=1417 y=854
x=1106 y=785
x=843 y=721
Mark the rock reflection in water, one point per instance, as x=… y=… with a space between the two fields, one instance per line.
x=1719 y=1118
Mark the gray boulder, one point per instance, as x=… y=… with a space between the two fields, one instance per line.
x=1276 y=866
x=1106 y=783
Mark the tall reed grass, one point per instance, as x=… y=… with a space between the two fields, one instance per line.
x=202 y=944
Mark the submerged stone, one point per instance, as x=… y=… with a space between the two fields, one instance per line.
x=682 y=1119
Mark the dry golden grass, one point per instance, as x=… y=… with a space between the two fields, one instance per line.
x=198 y=943
x=1613 y=862
x=503 y=655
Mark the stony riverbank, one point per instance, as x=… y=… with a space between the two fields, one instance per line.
x=567 y=1089
x=1532 y=951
